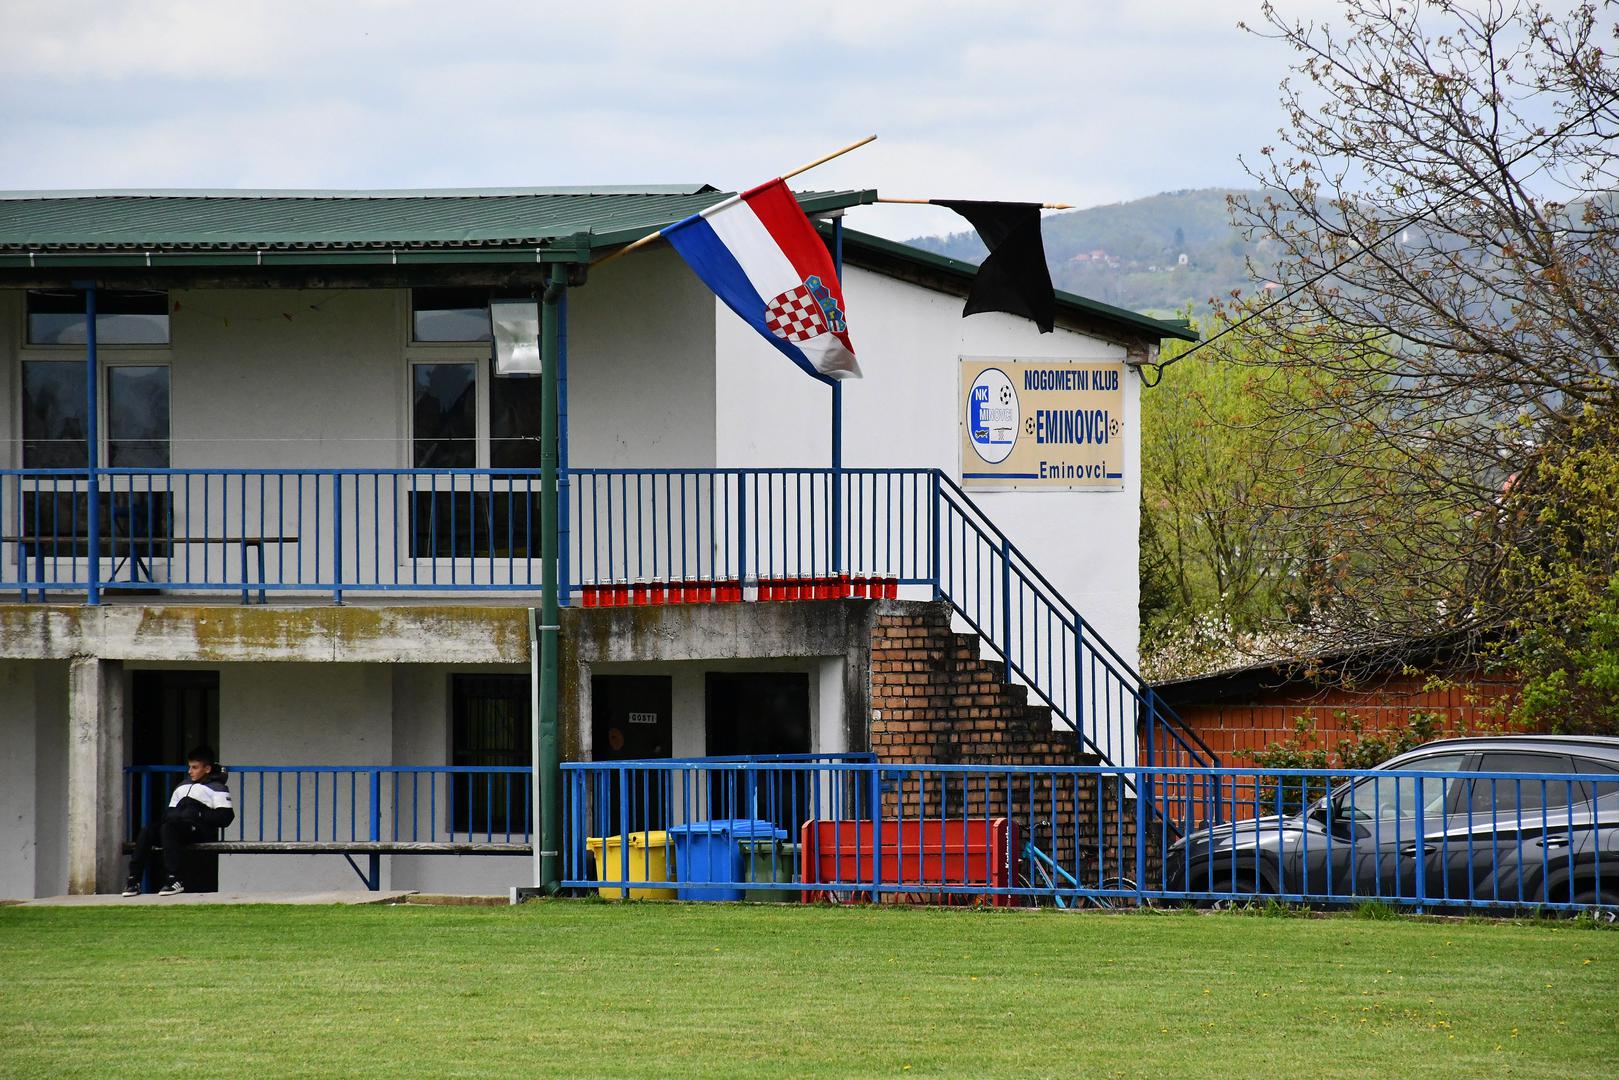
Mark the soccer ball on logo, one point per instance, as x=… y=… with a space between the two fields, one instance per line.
x=1006 y=394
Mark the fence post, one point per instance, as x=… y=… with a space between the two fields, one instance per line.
x=1141 y=836
x=337 y=538
x=742 y=534
x=937 y=571
x=1006 y=610
x=876 y=797
x=1079 y=686
x=1420 y=871
x=374 y=877
x=1151 y=748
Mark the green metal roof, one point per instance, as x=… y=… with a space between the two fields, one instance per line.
x=153 y=226
x=857 y=243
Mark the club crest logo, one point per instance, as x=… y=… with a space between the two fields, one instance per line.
x=992 y=416
x=804 y=312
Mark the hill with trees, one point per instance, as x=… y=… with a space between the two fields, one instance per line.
x=1163 y=254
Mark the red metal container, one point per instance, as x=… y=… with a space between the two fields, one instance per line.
x=929 y=854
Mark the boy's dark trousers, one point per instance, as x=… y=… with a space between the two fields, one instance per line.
x=174 y=836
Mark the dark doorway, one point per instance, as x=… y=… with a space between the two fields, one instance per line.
x=632 y=718
x=170 y=713
x=490 y=726
x=757 y=713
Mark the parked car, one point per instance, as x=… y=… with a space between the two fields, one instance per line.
x=1485 y=822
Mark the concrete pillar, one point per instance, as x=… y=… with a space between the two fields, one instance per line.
x=95 y=781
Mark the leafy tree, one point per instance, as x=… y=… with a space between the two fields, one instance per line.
x=1445 y=237
x=1565 y=641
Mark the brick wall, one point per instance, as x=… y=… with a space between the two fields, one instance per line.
x=1234 y=728
x=935 y=700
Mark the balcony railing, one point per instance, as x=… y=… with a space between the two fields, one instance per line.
x=626 y=536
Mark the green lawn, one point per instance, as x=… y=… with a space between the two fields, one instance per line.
x=586 y=988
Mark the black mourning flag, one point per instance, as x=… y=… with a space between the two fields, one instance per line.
x=1013 y=277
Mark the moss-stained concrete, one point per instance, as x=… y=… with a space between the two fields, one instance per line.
x=340 y=634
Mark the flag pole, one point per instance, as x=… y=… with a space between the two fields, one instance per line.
x=936 y=202
x=822 y=160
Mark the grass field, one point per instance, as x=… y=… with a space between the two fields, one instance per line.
x=586 y=988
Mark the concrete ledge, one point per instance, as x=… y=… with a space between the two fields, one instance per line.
x=394 y=896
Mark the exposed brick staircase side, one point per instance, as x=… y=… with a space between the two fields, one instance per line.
x=935 y=700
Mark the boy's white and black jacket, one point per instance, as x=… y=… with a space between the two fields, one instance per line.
x=203 y=802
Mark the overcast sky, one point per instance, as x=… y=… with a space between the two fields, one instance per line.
x=1086 y=102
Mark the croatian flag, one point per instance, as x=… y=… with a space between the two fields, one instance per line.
x=761 y=255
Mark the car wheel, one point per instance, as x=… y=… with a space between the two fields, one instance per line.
x=1608 y=898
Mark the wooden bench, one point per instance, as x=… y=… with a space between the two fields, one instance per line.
x=136 y=527
x=374 y=849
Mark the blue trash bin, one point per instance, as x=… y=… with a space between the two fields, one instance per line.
x=711 y=851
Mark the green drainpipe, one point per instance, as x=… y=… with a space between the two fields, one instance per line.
x=549 y=762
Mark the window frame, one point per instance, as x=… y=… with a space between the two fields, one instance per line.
x=24 y=345
x=128 y=356
x=455 y=352
x=1482 y=765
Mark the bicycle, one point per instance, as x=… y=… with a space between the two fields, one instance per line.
x=1049 y=872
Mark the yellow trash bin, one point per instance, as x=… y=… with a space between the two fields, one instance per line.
x=649 y=861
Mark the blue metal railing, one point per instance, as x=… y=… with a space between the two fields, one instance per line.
x=1078 y=835
x=468 y=804
x=646 y=535
x=310 y=531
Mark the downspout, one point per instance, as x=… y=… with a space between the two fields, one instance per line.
x=547 y=761
x=538 y=808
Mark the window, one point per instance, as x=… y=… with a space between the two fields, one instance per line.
x=55 y=424
x=55 y=427
x=138 y=416
x=123 y=317
x=1511 y=797
x=444 y=415
x=490 y=727
x=1394 y=796
x=464 y=416
x=449 y=315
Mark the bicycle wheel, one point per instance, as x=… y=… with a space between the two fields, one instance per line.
x=1114 y=903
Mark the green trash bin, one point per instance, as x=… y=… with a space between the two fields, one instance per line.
x=768 y=859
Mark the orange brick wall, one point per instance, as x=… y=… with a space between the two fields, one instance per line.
x=1235 y=728
x=934 y=700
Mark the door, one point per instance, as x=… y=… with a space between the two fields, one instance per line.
x=758 y=714
x=171 y=712
x=631 y=719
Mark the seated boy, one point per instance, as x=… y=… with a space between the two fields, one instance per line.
x=198 y=807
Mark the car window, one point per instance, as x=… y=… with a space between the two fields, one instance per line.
x=1394 y=796
x=1513 y=796
x=1605 y=786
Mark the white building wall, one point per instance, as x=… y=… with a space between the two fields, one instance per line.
x=280 y=378
x=19 y=730
x=33 y=778
x=421 y=736
x=903 y=413
x=640 y=380
x=306 y=714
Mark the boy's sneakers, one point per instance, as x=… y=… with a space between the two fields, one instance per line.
x=132 y=886
x=174 y=886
